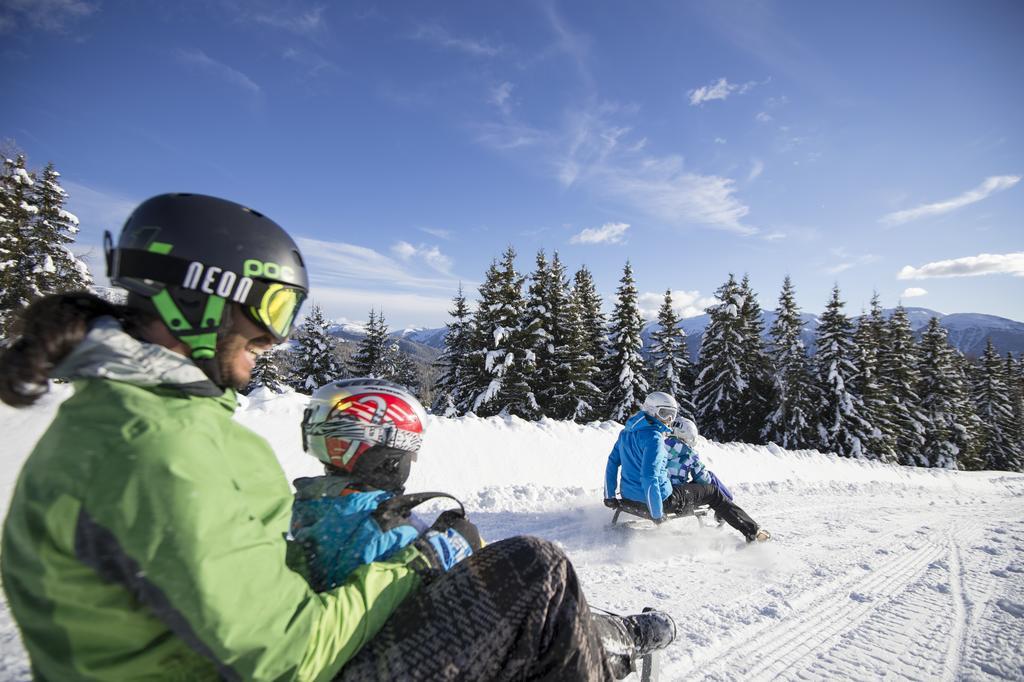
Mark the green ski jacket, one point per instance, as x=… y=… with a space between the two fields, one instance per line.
x=145 y=537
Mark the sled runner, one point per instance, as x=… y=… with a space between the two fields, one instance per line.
x=640 y=509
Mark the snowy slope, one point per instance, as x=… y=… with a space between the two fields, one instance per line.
x=875 y=571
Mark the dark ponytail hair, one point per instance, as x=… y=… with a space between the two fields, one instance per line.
x=46 y=332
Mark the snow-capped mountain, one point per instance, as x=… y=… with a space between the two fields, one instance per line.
x=968 y=332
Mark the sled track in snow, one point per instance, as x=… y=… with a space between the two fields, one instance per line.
x=913 y=603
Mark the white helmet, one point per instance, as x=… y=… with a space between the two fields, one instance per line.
x=662 y=406
x=685 y=430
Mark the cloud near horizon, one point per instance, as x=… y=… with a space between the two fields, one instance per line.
x=969 y=266
x=990 y=186
x=685 y=303
x=913 y=292
x=609 y=233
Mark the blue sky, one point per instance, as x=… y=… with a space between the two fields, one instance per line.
x=874 y=144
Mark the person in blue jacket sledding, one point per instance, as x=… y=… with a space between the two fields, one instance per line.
x=660 y=468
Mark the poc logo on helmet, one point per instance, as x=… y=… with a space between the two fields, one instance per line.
x=217 y=281
x=268 y=269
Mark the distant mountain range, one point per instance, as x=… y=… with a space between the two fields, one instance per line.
x=967 y=331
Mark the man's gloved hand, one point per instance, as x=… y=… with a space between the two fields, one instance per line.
x=611 y=502
x=451 y=538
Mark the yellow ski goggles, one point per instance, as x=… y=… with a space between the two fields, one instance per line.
x=277 y=309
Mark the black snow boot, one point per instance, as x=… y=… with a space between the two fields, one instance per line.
x=627 y=638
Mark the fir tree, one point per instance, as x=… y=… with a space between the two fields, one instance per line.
x=869 y=339
x=995 y=410
x=841 y=428
x=790 y=423
x=450 y=390
x=537 y=329
x=670 y=358
x=628 y=385
x=938 y=392
x=266 y=373
x=1015 y=382
x=17 y=211
x=372 y=358
x=54 y=229
x=579 y=356
x=720 y=388
x=402 y=370
x=315 y=357
x=966 y=435
x=501 y=362
x=899 y=381
x=754 y=365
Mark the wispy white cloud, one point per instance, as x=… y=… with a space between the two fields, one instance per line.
x=720 y=89
x=500 y=96
x=53 y=16
x=440 y=36
x=400 y=309
x=334 y=264
x=684 y=303
x=848 y=261
x=756 y=168
x=313 y=63
x=913 y=292
x=609 y=233
x=575 y=46
x=197 y=58
x=431 y=255
x=969 y=266
x=720 y=140
x=437 y=232
x=596 y=153
x=307 y=22
x=990 y=186
x=763 y=117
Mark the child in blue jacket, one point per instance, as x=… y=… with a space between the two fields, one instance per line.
x=367 y=432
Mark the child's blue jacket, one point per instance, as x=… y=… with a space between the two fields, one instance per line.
x=336 y=531
x=641 y=454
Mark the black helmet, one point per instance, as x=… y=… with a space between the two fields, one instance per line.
x=189 y=255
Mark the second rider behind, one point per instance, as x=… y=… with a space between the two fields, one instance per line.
x=643 y=455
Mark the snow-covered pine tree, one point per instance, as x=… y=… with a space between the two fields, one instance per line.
x=450 y=394
x=967 y=423
x=402 y=370
x=538 y=331
x=869 y=338
x=899 y=381
x=672 y=371
x=501 y=361
x=628 y=385
x=580 y=351
x=937 y=392
x=720 y=387
x=841 y=428
x=371 y=358
x=53 y=231
x=17 y=211
x=791 y=422
x=315 y=361
x=1015 y=383
x=266 y=373
x=995 y=409
x=755 y=366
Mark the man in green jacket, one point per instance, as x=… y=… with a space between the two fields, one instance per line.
x=145 y=537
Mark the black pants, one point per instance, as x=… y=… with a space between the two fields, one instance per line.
x=512 y=611
x=690 y=495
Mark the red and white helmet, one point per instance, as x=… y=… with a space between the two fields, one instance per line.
x=348 y=418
